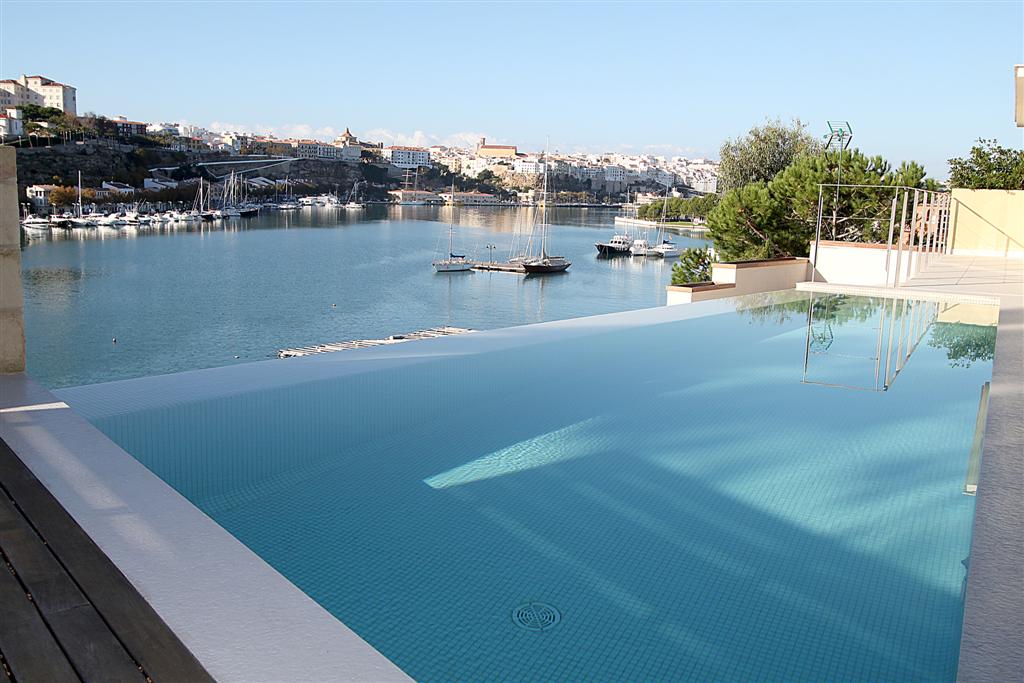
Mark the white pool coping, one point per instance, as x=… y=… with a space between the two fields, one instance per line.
x=241 y=619
x=905 y=292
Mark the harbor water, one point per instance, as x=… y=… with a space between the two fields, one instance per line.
x=181 y=298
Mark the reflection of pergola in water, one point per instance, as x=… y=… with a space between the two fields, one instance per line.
x=900 y=326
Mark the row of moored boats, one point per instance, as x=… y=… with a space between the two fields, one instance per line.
x=640 y=245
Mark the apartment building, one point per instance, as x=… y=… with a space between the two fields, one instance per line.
x=39 y=195
x=10 y=124
x=40 y=91
x=407 y=157
x=127 y=129
x=528 y=166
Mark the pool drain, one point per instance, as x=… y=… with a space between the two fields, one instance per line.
x=536 y=616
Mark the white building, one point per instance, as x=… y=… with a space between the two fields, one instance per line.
x=39 y=195
x=350 y=153
x=662 y=177
x=157 y=184
x=10 y=124
x=407 y=157
x=117 y=188
x=614 y=174
x=314 y=149
x=38 y=90
x=404 y=196
x=703 y=182
x=528 y=166
x=470 y=198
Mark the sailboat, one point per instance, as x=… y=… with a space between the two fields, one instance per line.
x=80 y=221
x=454 y=263
x=665 y=248
x=545 y=263
x=353 y=198
x=640 y=246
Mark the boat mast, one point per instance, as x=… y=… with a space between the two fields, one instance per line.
x=79 y=194
x=451 y=226
x=664 y=207
x=544 y=210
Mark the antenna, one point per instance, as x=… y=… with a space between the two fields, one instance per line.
x=839 y=135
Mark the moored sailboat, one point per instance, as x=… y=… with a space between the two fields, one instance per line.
x=545 y=263
x=453 y=263
x=353 y=198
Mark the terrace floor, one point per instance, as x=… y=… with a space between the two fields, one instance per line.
x=984 y=275
x=66 y=612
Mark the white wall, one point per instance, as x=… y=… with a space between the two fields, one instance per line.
x=854 y=263
x=750 y=277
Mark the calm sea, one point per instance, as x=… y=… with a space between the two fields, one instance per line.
x=179 y=299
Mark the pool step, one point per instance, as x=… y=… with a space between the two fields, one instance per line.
x=974 y=461
x=430 y=333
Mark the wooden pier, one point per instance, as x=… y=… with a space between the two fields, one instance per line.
x=498 y=266
x=431 y=333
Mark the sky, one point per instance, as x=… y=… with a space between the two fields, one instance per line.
x=916 y=80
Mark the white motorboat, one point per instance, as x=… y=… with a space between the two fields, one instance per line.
x=664 y=250
x=113 y=219
x=640 y=247
x=36 y=222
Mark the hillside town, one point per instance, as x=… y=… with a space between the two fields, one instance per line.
x=39 y=112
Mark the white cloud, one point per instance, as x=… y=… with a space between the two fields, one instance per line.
x=420 y=138
x=288 y=130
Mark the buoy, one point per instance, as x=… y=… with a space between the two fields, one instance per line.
x=236 y=356
x=114 y=340
x=334 y=305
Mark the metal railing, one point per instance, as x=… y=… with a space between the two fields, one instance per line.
x=914 y=224
x=897 y=328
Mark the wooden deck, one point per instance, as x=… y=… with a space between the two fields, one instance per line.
x=499 y=266
x=66 y=612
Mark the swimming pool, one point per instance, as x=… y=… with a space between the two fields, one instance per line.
x=769 y=487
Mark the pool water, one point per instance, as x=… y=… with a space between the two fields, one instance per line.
x=571 y=501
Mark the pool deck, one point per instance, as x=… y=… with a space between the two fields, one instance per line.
x=66 y=612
